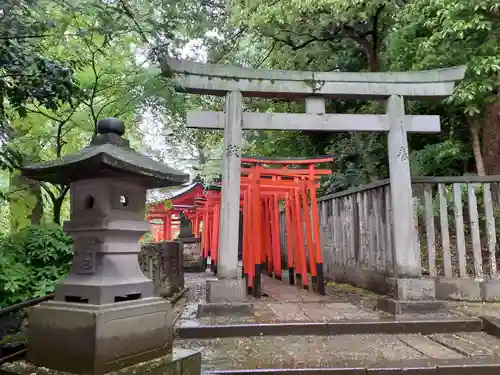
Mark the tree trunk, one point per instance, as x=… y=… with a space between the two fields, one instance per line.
x=57 y=206
x=37 y=211
x=26 y=202
x=476 y=145
x=491 y=137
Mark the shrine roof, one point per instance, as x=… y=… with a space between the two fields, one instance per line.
x=184 y=195
x=108 y=155
x=188 y=189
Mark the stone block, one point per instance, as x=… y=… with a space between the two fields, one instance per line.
x=490 y=290
x=225 y=309
x=193 y=261
x=172 y=267
x=179 y=362
x=163 y=263
x=96 y=339
x=409 y=289
x=396 y=307
x=459 y=289
x=226 y=291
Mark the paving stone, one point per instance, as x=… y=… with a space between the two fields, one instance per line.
x=362 y=315
x=288 y=312
x=483 y=340
x=298 y=351
x=264 y=314
x=461 y=345
x=428 y=347
x=326 y=312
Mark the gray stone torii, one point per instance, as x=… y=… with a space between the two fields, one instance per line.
x=315 y=87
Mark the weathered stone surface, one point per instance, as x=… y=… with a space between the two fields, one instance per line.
x=193 y=262
x=398 y=307
x=163 y=263
x=490 y=290
x=186 y=227
x=179 y=362
x=295 y=352
x=219 y=79
x=412 y=289
x=109 y=155
x=458 y=289
x=104 y=317
x=95 y=339
x=226 y=290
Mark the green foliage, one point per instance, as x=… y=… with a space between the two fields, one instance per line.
x=26 y=73
x=434 y=34
x=440 y=159
x=33 y=260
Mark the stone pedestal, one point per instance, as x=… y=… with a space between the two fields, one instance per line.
x=179 y=362
x=193 y=262
x=89 y=339
x=226 y=291
x=410 y=295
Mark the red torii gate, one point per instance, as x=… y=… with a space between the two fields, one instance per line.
x=262 y=191
x=182 y=201
x=208 y=213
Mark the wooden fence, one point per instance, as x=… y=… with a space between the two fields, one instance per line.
x=457 y=220
x=357 y=235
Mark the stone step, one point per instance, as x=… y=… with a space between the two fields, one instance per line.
x=454 y=367
x=471 y=353
x=332 y=328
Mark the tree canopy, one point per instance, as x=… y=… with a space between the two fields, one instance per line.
x=65 y=64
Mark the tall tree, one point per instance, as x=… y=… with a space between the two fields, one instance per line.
x=435 y=34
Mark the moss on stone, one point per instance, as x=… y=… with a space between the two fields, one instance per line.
x=348 y=288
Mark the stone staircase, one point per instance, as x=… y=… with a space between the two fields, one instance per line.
x=424 y=346
x=309 y=334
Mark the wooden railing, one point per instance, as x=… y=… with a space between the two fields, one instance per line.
x=13 y=344
x=457 y=230
x=356 y=228
x=457 y=221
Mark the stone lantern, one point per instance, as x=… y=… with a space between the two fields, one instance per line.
x=104 y=316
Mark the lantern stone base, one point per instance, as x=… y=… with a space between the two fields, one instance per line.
x=226 y=291
x=97 y=339
x=179 y=362
x=410 y=295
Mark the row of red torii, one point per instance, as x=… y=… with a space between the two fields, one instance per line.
x=269 y=187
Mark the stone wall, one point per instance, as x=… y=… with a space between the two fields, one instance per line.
x=162 y=262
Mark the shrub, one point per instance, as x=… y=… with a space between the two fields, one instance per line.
x=33 y=260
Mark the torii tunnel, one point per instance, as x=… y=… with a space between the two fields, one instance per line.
x=274 y=192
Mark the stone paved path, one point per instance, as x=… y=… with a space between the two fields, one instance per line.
x=337 y=351
x=286 y=303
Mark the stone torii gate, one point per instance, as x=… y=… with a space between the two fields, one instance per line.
x=315 y=87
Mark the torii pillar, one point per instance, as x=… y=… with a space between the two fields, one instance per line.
x=391 y=87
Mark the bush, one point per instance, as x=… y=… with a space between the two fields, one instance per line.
x=33 y=260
